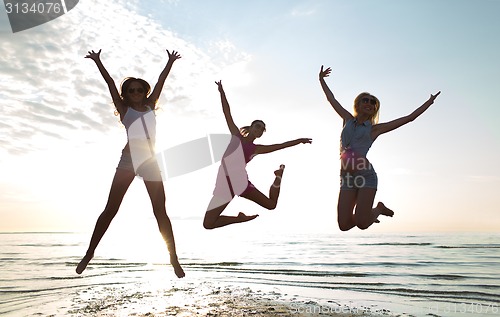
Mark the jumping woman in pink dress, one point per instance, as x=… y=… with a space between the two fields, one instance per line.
x=232 y=178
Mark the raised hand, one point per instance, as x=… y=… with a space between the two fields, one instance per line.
x=93 y=55
x=324 y=73
x=173 y=56
x=219 y=85
x=433 y=97
x=305 y=140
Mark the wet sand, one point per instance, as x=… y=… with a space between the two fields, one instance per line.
x=203 y=299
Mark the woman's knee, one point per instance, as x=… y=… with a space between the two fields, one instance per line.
x=266 y=202
x=345 y=218
x=270 y=205
x=109 y=212
x=364 y=222
x=208 y=223
x=158 y=203
x=208 y=226
x=363 y=226
x=211 y=217
x=345 y=225
x=159 y=208
x=158 y=199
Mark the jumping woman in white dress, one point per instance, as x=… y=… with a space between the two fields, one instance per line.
x=136 y=105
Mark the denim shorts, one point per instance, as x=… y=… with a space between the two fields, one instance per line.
x=366 y=178
x=148 y=170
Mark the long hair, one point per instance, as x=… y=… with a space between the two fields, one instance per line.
x=357 y=101
x=124 y=89
x=246 y=129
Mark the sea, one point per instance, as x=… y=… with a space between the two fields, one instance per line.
x=450 y=274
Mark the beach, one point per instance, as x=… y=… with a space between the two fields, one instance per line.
x=200 y=299
x=188 y=298
x=273 y=275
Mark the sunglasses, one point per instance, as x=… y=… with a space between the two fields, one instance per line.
x=132 y=90
x=373 y=102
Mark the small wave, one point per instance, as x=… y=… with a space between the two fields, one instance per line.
x=214 y=264
x=457 y=295
x=278 y=272
x=47 y=245
x=448 y=277
x=11 y=259
x=118 y=264
x=469 y=246
x=389 y=289
x=375 y=264
x=398 y=244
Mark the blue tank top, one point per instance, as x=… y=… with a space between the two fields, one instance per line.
x=356 y=138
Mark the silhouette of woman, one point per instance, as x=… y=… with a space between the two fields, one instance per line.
x=136 y=106
x=357 y=176
x=232 y=178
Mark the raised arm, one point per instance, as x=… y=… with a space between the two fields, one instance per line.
x=262 y=149
x=155 y=95
x=117 y=100
x=382 y=128
x=343 y=113
x=233 y=128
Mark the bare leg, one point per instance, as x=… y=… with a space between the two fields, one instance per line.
x=345 y=208
x=213 y=218
x=157 y=195
x=365 y=215
x=274 y=191
x=119 y=187
x=381 y=209
x=269 y=203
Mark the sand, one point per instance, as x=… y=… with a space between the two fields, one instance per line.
x=199 y=299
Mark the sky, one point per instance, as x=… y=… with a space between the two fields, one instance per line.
x=60 y=141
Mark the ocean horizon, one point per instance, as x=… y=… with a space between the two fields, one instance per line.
x=363 y=274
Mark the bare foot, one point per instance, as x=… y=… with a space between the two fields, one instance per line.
x=384 y=210
x=244 y=218
x=83 y=263
x=177 y=267
x=279 y=172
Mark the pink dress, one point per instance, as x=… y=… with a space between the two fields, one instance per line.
x=232 y=178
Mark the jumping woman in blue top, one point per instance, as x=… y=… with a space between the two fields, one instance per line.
x=357 y=176
x=135 y=105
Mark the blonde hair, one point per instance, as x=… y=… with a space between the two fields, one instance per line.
x=374 y=117
x=246 y=129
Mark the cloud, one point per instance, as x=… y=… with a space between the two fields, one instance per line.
x=302 y=11
x=483 y=178
x=50 y=91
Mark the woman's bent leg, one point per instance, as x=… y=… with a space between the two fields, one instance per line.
x=274 y=191
x=345 y=209
x=365 y=214
x=213 y=218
